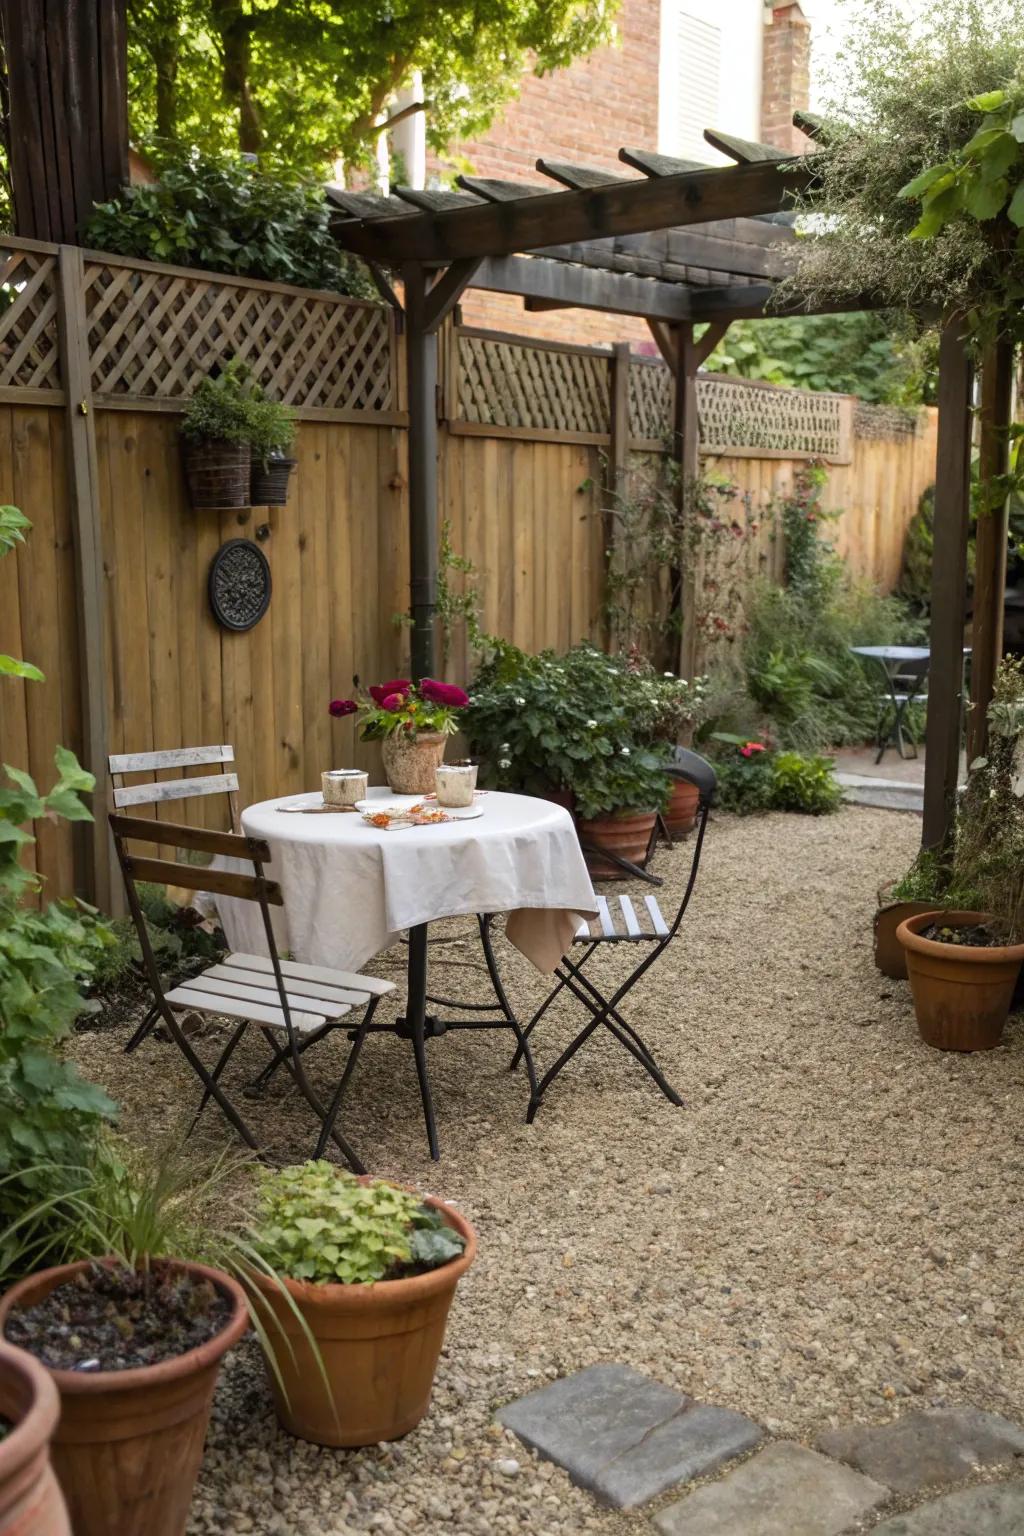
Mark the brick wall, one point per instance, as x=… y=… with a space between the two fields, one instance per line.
x=581 y=115
x=785 y=76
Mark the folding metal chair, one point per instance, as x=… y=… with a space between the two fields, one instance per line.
x=122 y=766
x=621 y=923
x=301 y=1002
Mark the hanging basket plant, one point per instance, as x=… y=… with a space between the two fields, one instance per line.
x=217 y=431
x=273 y=437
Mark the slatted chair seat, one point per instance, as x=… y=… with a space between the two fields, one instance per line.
x=619 y=920
x=315 y=994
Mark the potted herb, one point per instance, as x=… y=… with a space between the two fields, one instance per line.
x=370 y=1271
x=272 y=438
x=618 y=797
x=964 y=963
x=217 y=432
x=31 y=1503
x=412 y=722
x=133 y=1341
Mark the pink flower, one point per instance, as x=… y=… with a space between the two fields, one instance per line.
x=443 y=693
x=341 y=707
x=381 y=691
x=393 y=703
x=750 y=747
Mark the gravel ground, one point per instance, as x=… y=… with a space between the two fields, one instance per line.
x=829 y=1230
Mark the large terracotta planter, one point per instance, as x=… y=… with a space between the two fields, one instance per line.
x=681 y=812
x=31 y=1503
x=410 y=762
x=379 y=1345
x=628 y=834
x=129 y=1443
x=961 y=994
x=890 y=956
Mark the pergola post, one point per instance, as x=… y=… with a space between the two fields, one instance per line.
x=686 y=450
x=991 y=540
x=421 y=374
x=949 y=585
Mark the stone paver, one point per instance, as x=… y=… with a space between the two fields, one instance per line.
x=785 y=1490
x=625 y=1437
x=994 y=1510
x=923 y=1450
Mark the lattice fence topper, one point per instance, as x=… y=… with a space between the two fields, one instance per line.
x=739 y=417
x=650 y=402
x=505 y=384
x=153 y=333
x=29 y=355
x=888 y=423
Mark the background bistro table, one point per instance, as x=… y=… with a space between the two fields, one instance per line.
x=351 y=889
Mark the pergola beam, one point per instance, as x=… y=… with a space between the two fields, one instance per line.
x=565 y=218
x=559 y=284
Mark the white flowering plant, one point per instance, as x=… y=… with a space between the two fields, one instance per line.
x=579 y=723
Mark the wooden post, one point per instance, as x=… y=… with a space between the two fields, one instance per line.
x=67 y=72
x=686 y=450
x=618 y=461
x=949 y=586
x=96 y=873
x=991 y=541
x=421 y=373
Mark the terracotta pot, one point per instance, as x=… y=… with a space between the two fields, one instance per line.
x=681 y=812
x=961 y=993
x=379 y=1345
x=890 y=956
x=218 y=474
x=410 y=762
x=627 y=833
x=129 y=1443
x=270 y=486
x=31 y=1503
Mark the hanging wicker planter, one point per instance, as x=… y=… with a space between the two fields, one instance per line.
x=270 y=482
x=218 y=474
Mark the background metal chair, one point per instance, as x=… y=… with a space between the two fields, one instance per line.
x=620 y=922
x=302 y=1002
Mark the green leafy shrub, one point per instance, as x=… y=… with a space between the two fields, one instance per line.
x=227 y=214
x=753 y=777
x=183 y=942
x=805 y=784
x=317 y=1222
x=271 y=430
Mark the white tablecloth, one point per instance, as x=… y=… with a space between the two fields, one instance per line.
x=350 y=889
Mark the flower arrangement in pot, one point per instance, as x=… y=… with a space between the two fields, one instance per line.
x=412 y=722
x=369 y=1271
x=666 y=709
x=272 y=437
x=216 y=431
x=964 y=956
x=31 y=1503
x=618 y=796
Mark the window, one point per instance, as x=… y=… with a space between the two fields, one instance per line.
x=696 y=85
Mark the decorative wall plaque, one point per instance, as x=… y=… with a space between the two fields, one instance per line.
x=239 y=584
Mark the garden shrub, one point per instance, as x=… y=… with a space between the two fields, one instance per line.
x=753 y=777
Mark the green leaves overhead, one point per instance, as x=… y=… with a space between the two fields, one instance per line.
x=983 y=177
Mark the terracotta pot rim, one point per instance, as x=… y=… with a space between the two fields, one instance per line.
x=623 y=815
x=33 y=1430
x=365 y=1296
x=140 y=1377
x=972 y=954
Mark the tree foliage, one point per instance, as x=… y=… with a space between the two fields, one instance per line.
x=307 y=79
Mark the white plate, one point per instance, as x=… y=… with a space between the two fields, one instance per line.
x=463 y=813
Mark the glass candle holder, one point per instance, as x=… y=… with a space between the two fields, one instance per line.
x=456 y=784
x=344 y=786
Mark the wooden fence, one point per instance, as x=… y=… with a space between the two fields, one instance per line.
x=109 y=595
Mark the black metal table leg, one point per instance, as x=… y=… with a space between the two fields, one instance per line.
x=416 y=1020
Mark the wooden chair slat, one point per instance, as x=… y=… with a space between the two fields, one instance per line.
x=170 y=834
x=175 y=789
x=220 y=986
x=240 y=1008
x=629 y=914
x=176 y=757
x=607 y=921
x=289 y=968
x=220 y=881
x=657 y=921
x=318 y=992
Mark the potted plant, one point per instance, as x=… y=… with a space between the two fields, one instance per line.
x=31 y=1503
x=150 y=1323
x=217 y=433
x=923 y=888
x=370 y=1271
x=411 y=721
x=964 y=963
x=618 y=797
x=272 y=437
x=666 y=709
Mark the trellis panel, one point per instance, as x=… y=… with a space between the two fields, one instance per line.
x=153 y=331
x=29 y=350
x=558 y=392
x=742 y=417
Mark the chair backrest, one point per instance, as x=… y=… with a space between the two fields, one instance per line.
x=158 y=792
x=695 y=770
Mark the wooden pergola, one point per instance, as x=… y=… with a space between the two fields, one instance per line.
x=680 y=245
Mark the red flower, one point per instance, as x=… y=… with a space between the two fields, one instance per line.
x=750 y=747
x=443 y=693
x=381 y=691
x=340 y=707
x=393 y=703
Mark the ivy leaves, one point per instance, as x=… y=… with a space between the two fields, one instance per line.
x=984 y=178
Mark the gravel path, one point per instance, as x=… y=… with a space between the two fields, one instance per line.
x=829 y=1230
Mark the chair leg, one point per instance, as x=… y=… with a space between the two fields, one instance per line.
x=608 y=1015
x=614 y=1014
x=545 y=1005
x=206 y=1078
x=339 y=1092
x=298 y=1073
x=226 y=1056
x=552 y=1072
x=522 y=1042
x=281 y=1054
x=148 y=1023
